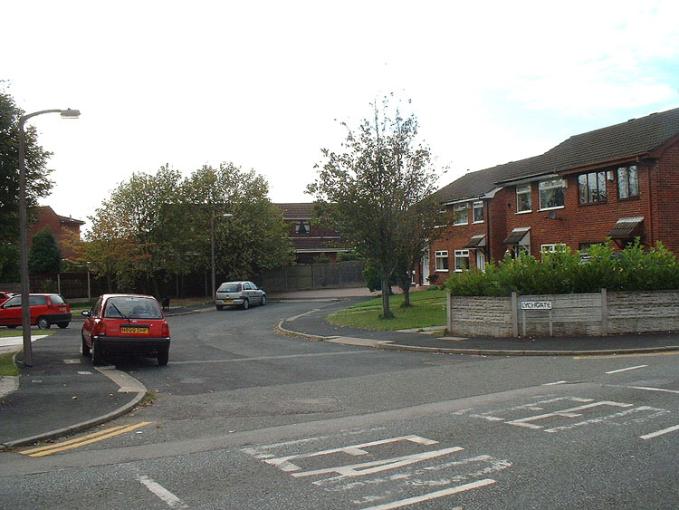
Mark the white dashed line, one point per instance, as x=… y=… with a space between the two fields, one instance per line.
x=625 y=369
x=646 y=388
x=660 y=432
x=170 y=499
x=433 y=495
x=554 y=383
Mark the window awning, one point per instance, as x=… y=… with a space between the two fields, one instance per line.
x=477 y=241
x=516 y=235
x=627 y=228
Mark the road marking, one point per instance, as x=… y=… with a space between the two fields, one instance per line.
x=170 y=499
x=625 y=369
x=433 y=495
x=43 y=451
x=377 y=466
x=264 y=358
x=295 y=317
x=660 y=432
x=627 y=412
x=646 y=388
x=565 y=413
x=554 y=383
x=284 y=464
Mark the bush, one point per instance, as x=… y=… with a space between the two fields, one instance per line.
x=633 y=268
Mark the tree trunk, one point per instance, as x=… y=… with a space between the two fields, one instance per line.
x=406 y=296
x=386 y=312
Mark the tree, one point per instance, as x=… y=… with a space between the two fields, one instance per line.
x=44 y=256
x=369 y=190
x=38 y=183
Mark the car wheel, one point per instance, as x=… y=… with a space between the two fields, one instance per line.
x=97 y=355
x=246 y=304
x=263 y=300
x=163 y=357
x=220 y=308
x=11 y=327
x=84 y=348
x=62 y=325
x=43 y=323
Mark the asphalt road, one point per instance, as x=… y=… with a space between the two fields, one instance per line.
x=246 y=419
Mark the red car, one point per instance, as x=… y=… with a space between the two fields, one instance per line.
x=4 y=296
x=126 y=323
x=46 y=309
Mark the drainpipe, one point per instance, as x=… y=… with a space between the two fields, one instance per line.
x=650 y=207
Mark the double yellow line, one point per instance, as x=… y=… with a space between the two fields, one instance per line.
x=51 y=449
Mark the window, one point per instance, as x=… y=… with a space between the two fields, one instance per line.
x=460 y=216
x=523 y=202
x=441 y=259
x=302 y=228
x=628 y=182
x=461 y=260
x=478 y=212
x=552 y=248
x=592 y=188
x=552 y=193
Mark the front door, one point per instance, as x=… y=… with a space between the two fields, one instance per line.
x=480 y=260
x=425 y=268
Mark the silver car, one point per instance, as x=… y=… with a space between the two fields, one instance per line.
x=243 y=294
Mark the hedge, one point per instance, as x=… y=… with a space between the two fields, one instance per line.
x=564 y=272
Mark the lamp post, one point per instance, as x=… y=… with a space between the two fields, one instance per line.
x=23 y=230
x=212 y=247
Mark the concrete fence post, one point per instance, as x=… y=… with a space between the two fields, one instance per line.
x=515 y=315
x=449 y=314
x=604 y=312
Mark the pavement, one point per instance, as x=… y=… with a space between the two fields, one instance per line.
x=62 y=393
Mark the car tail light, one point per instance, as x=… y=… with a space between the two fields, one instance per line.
x=165 y=329
x=99 y=328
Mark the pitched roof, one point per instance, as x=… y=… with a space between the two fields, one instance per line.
x=296 y=210
x=629 y=139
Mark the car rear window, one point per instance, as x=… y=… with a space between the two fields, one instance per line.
x=57 y=299
x=132 y=307
x=229 y=287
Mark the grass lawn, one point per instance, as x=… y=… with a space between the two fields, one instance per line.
x=6 y=332
x=428 y=309
x=7 y=366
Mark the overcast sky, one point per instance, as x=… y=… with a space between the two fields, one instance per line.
x=261 y=83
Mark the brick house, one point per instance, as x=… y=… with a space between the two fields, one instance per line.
x=61 y=227
x=310 y=241
x=620 y=181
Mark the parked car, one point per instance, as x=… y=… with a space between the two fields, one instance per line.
x=5 y=295
x=241 y=294
x=45 y=310
x=125 y=323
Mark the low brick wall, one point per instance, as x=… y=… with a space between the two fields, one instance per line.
x=570 y=314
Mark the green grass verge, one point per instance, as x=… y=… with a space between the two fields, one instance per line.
x=428 y=309
x=7 y=366
x=6 y=332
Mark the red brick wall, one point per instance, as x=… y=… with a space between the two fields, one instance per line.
x=575 y=223
x=456 y=237
x=665 y=200
x=48 y=219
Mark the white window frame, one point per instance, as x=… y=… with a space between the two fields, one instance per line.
x=556 y=182
x=475 y=206
x=523 y=190
x=459 y=207
x=552 y=247
x=461 y=254
x=441 y=255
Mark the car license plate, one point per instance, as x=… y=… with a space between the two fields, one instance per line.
x=228 y=301
x=134 y=329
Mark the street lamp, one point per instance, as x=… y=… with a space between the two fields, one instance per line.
x=212 y=247
x=23 y=229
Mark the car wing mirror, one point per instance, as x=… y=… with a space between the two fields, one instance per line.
x=85 y=313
